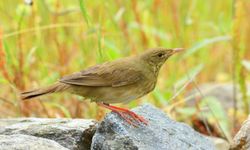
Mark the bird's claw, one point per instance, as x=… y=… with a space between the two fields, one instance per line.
x=129 y=116
x=132 y=118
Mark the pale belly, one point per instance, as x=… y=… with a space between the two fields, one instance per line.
x=123 y=94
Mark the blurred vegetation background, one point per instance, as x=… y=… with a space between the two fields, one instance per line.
x=43 y=40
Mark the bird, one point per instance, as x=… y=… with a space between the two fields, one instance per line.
x=118 y=81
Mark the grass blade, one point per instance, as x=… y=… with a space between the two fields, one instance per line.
x=204 y=43
x=83 y=10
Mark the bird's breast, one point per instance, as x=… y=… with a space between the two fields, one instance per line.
x=147 y=87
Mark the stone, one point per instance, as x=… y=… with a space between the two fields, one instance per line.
x=113 y=133
x=219 y=143
x=26 y=142
x=224 y=93
x=241 y=140
x=70 y=133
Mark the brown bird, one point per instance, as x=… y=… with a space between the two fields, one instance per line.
x=119 y=81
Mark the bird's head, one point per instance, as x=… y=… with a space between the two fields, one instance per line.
x=157 y=56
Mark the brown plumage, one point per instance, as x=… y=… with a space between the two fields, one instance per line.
x=118 y=81
x=57 y=87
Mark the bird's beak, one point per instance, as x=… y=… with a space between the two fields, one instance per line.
x=177 y=50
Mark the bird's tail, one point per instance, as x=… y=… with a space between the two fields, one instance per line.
x=57 y=87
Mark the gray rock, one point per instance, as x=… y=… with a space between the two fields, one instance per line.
x=241 y=141
x=70 y=133
x=222 y=92
x=26 y=142
x=219 y=143
x=162 y=133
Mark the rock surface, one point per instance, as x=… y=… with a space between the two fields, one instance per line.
x=222 y=92
x=241 y=140
x=162 y=133
x=69 y=133
x=220 y=144
x=112 y=133
x=26 y=142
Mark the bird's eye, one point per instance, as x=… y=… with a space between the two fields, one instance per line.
x=160 y=55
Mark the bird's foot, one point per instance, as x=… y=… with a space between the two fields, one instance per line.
x=129 y=116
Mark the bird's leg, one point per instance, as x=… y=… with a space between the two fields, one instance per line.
x=129 y=120
x=122 y=111
x=130 y=113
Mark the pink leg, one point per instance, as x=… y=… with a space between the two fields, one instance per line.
x=123 y=111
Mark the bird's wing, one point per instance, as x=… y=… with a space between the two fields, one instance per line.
x=104 y=75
